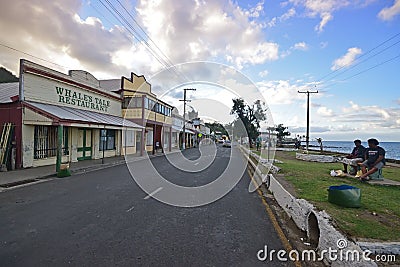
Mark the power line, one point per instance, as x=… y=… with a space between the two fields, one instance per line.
x=130 y=29
x=28 y=54
x=363 y=71
x=163 y=60
x=144 y=32
x=363 y=55
x=368 y=58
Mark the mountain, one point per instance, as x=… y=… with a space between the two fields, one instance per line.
x=6 y=76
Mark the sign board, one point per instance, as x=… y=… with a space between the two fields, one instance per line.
x=38 y=88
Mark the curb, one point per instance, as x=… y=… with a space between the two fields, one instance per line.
x=317 y=224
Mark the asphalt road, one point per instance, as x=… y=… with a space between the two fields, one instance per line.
x=103 y=218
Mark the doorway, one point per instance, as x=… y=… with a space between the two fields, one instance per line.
x=84 y=144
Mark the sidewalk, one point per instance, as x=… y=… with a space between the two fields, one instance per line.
x=23 y=176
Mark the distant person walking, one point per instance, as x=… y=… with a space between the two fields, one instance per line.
x=374 y=159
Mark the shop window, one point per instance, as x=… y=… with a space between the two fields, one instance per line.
x=151 y=105
x=166 y=140
x=107 y=139
x=45 y=141
x=149 y=138
x=132 y=102
x=125 y=102
x=129 y=138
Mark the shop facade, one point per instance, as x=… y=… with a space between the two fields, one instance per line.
x=142 y=107
x=50 y=105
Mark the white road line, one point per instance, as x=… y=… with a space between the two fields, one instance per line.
x=197 y=163
x=153 y=193
x=130 y=209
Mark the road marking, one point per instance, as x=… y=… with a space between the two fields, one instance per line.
x=153 y=193
x=197 y=163
x=277 y=227
x=130 y=209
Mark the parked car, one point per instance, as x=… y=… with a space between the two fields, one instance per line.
x=227 y=143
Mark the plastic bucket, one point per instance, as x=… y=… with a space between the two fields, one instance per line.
x=345 y=195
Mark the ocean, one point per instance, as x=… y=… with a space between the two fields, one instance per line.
x=392 y=148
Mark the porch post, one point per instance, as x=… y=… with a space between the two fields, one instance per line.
x=59 y=147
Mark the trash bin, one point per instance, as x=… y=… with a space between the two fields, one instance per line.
x=345 y=195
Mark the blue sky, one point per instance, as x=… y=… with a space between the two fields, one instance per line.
x=282 y=46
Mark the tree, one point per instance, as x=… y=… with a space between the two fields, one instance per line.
x=6 y=76
x=249 y=117
x=216 y=127
x=281 y=132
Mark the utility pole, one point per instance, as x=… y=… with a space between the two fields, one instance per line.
x=308 y=113
x=184 y=114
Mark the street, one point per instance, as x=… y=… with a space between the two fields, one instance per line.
x=103 y=218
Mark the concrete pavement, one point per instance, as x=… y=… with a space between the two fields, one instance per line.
x=103 y=218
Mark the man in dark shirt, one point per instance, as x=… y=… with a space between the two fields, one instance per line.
x=356 y=156
x=374 y=159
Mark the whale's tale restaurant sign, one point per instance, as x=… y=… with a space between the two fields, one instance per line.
x=73 y=98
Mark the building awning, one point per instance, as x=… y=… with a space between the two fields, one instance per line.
x=70 y=115
x=179 y=129
x=190 y=131
x=176 y=128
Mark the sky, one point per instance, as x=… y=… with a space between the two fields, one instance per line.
x=347 y=50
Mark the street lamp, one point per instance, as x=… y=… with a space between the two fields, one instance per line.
x=184 y=114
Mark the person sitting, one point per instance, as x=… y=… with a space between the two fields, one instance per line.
x=374 y=159
x=356 y=156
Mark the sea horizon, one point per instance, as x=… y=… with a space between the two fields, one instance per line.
x=392 y=148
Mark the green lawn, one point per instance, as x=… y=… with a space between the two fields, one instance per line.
x=312 y=180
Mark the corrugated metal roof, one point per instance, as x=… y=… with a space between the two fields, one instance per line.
x=8 y=90
x=73 y=114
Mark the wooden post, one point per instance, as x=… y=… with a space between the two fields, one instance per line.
x=60 y=131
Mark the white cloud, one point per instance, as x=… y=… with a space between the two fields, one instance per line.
x=177 y=24
x=301 y=46
x=263 y=73
x=256 y=11
x=325 y=112
x=281 y=92
x=322 y=8
x=290 y=13
x=348 y=59
x=374 y=117
x=67 y=39
x=325 y=18
x=285 y=16
x=388 y=13
x=183 y=30
x=297 y=46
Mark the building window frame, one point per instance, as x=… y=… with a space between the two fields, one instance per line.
x=45 y=141
x=107 y=139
